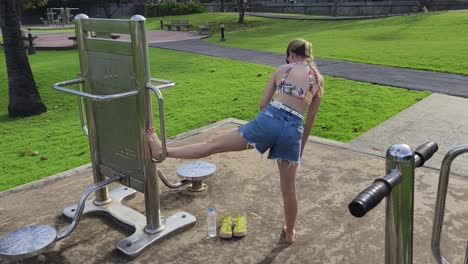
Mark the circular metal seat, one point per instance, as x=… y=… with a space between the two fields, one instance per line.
x=196 y=172
x=27 y=241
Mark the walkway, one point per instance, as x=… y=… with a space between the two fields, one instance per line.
x=312 y=17
x=451 y=84
x=60 y=40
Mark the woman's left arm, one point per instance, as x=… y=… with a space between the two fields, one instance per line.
x=311 y=113
x=269 y=90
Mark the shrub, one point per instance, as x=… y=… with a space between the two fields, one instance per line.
x=173 y=8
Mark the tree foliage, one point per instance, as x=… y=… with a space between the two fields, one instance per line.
x=31 y=4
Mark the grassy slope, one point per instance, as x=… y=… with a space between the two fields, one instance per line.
x=208 y=90
x=432 y=41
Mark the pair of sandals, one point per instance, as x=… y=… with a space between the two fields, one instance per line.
x=233 y=226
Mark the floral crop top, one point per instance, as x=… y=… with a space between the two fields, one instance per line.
x=293 y=90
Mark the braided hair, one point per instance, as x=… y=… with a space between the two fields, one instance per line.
x=303 y=48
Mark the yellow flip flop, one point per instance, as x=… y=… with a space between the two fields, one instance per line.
x=240 y=225
x=225 y=229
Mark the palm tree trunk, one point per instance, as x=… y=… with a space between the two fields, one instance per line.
x=24 y=98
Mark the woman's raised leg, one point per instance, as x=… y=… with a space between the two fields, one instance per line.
x=288 y=190
x=232 y=141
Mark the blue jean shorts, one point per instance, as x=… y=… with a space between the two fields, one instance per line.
x=277 y=130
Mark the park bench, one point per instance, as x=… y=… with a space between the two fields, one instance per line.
x=178 y=24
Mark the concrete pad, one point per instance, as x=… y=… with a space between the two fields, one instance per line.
x=61 y=41
x=328 y=180
x=439 y=118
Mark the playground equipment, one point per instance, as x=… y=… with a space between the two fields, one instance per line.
x=115 y=112
x=58 y=16
x=398 y=185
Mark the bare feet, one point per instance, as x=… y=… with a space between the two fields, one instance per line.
x=290 y=236
x=154 y=144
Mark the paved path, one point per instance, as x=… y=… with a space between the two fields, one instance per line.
x=439 y=118
x=312 y=17
x=61 y=41
x=451 y=84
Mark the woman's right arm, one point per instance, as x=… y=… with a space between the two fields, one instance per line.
x=269 y=90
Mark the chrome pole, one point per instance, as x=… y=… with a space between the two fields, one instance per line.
x=400 y=204
x=141 y=64
x=102 y=195
x=440 y=200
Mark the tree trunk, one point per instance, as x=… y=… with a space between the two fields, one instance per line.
x=241 y=6
x=222 y=6
x=107 y=12
x=24 y=98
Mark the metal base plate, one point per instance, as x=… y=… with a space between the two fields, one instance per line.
x=197 y=187
x=26 y=242
x=139 y=240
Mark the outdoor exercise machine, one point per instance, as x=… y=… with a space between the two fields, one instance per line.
x=114 y=98
x=398 y=185
x=440 y=202
x=64 y=16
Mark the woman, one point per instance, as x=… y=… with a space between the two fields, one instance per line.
x=295 y=88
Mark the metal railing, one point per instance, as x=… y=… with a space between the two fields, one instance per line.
x=440 y=202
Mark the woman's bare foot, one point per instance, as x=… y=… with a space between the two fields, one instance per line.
x=290 y=236
x=154 y=144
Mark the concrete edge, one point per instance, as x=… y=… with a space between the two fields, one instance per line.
x=43 y=181
x=87 y=167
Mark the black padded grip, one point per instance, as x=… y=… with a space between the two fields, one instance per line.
x=425 y=152
x=369 y=198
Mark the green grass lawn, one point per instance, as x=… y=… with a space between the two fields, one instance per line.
x=208 y=90
x=431 y=41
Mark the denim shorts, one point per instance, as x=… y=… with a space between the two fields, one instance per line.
x=277 y=130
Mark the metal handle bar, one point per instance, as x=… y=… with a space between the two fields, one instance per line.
x=95 y=97
x=81 y=205
x=381 y=188
x=170 y=185
x=82 y=116
x=162 y=124
x=440 y=200
x=166 y=84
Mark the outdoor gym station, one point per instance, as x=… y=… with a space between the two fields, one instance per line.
x=114 y=91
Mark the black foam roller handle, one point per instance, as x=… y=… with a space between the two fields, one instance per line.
x=369 y=198
x=425 y=152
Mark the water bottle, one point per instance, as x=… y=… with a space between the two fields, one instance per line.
x=211 y=220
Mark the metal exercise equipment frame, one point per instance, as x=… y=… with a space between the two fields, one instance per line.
x=440 y=202
x=115 y=111
x=398 y=185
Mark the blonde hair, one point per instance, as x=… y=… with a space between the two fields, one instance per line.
x=303 y=48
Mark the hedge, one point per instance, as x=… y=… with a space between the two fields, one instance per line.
x=173 y=8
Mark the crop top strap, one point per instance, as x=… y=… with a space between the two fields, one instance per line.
x=285 y=75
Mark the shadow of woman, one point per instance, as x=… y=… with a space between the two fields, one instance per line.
x=280 y=246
